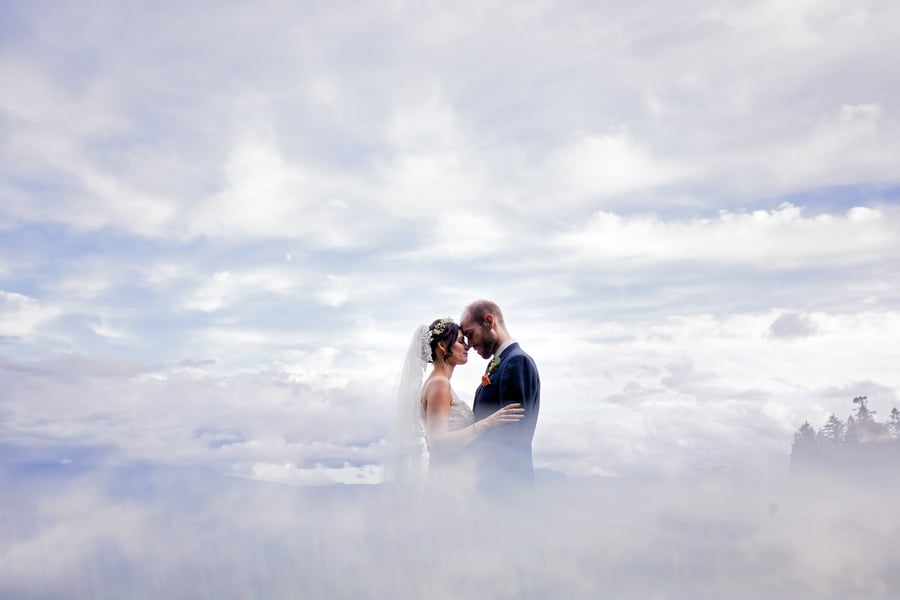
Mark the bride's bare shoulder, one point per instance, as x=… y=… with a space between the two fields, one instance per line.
x=436 y=388
x=439 y=382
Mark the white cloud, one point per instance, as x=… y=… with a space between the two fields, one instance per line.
x=212 y=295
x=53 y=126
x=855 y=144
x=779 y=238
x=598 y=166
x=316 y=368
x=424 y=125
x=22 y=316
x=335 y=291
x=103 y=328
x=285 y=473
x=225 y=289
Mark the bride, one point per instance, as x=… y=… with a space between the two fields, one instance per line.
x=431 y=416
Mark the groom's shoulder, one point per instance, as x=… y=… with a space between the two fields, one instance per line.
x=517 y=356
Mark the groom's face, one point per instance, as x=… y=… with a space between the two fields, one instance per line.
x=479 y=336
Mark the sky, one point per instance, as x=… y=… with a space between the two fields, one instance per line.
x=220 y=224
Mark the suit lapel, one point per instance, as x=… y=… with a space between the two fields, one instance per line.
x=481 y=388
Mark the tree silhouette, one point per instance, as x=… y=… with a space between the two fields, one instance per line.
x=867 y=429
x=863 y=414
x=832 y=433
x=894 y=424
x=858 y=449
x=805 y=448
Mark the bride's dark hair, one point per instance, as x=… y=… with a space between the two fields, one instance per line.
x=442 y=330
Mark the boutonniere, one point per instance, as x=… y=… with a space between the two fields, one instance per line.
x=486 y=378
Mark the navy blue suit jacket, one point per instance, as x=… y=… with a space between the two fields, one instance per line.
x=504 y=452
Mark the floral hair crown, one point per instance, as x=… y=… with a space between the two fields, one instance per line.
x=430 y=334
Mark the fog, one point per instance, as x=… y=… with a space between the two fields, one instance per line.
x=145 y=531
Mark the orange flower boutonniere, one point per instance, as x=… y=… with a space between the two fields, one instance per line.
x=486 y=378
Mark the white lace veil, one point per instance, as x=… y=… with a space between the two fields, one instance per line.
x=407 y=452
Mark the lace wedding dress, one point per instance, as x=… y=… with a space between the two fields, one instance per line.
x=460 y=416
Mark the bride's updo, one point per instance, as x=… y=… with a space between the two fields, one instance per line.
x=442 y=330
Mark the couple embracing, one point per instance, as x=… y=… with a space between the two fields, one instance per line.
x=488 y=444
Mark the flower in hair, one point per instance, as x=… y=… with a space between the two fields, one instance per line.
x=439 y=328
x=430 y=334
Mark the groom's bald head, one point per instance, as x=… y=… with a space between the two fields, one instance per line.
x=482 y=325
x=479 y=309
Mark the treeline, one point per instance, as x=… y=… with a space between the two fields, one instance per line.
x=859 y=446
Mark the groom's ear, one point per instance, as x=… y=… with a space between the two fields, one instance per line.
x=489 y=320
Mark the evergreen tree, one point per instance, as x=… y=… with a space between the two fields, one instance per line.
x=851 y=432
x=805 y=448
x=832 y=433
x=863 y=414
x=867 y=428
x=894 y=424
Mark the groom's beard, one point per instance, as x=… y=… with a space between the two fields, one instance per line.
x=490 y=344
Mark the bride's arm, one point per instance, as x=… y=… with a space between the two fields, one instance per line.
x=438 y=397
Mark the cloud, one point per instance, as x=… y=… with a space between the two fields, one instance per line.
x=336 y=291
x=154 y=412
x=837 y=151
x=599 y=166
x=265 y=194
x=211 y=296
x=883 y=397
x=779 y=238
x=792 y=325
x=655 y=202
x=21 y=316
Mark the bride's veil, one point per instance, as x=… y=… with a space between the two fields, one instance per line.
x=407 y=453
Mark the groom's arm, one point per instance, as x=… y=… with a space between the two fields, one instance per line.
x=520 y=383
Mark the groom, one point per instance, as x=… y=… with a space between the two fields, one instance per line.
x=504 y=452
